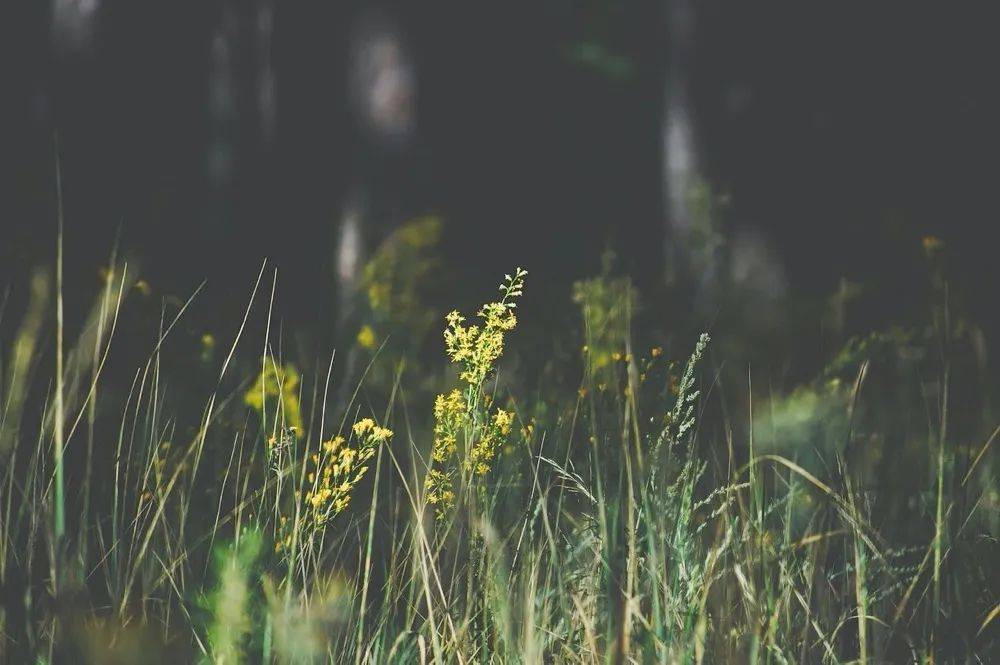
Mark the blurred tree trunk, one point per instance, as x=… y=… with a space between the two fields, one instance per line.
x=681 y=150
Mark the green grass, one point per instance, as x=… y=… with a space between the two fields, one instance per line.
x=644 y=505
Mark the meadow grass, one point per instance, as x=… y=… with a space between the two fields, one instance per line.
x=642 y=511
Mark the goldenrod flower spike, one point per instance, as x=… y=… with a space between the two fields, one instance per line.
x=464 y=415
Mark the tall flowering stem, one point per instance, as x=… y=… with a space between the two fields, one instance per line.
x=468 y=428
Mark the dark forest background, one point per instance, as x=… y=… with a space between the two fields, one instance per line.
x=845 y=132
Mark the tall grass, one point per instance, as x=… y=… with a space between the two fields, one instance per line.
x=646 y=510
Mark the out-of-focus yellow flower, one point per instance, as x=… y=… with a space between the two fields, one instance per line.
x=207 y=347
x=280 y=383
x=366 y=337
x=421 y=232
x=378 y=295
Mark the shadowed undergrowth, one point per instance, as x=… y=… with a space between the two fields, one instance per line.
x=632 y=502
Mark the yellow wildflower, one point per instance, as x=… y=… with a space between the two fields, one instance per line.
x=466 y=414
x=502 y=420
x=362 y=426
x=340 y=468
x=366 y=337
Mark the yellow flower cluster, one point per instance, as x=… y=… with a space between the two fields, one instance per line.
x=367 y=430
x=393 y=283
x=338 y=468
x=439 y=490
x=466 y=435
x=282 y=385
x=478 y=348
x=449 y=416
x=485 y=449
x=453 y=415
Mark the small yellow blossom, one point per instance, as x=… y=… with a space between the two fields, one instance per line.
x=502 y=420
x=363 y=426
x=366 y=337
